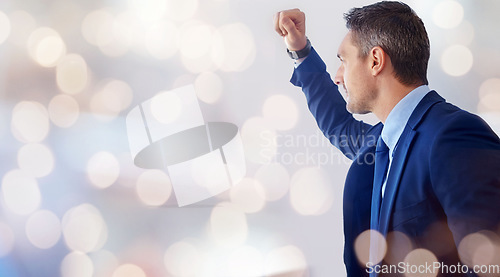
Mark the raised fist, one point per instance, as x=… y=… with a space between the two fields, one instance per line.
x=291 y=25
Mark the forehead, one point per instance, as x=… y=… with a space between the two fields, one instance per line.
x=347 y=47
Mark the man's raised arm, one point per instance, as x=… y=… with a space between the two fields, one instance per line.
x=322 y=94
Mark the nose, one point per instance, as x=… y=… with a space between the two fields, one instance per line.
x=339 y=77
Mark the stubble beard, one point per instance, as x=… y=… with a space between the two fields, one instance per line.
x=360 y=106
x=357 y=107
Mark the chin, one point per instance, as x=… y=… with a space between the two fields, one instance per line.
x=356 y=110
x=348 y=107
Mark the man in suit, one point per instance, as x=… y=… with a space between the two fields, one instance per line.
x=427 y=177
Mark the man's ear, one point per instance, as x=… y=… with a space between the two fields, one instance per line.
x=378 y=59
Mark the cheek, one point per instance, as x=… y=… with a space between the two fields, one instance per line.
x=355 y=78
x=349 y=80
x=346 y=76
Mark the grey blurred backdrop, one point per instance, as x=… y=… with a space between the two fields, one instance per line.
x=72 y=202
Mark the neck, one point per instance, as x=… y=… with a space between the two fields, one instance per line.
x=389 y=96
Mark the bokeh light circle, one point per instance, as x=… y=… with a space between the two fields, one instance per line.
x=7 y=239
x=457 y=60
x=22 y=25
x=162 y=39
x=195 y=40
x=128 y=270
x=448 y=14
x=113 y=97
x=72 y=74
x=30 y=122
x=208 y=87
x=421 y=258
x=398 y=246
x=281 y=111
x=43 y=229
x=49 y=50
x=20 y=192
x=105 y=263
x=362 y=247
x=84 y=229
x=4 y=27
x=311 y=191
x=154 y=187
x=183 y=259
x=46 y=46
x=63 y=110
x=103 y=169
x=118 y=34
x=94 y=24
x=489 y=96
x=476 y=249
x=275 y=180
x=233 y=47
x=248 y=195
x=35 y=158
x=77 y=264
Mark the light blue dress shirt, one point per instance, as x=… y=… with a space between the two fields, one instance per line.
x=397 y=119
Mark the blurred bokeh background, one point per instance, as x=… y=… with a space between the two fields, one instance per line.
x=73 y=204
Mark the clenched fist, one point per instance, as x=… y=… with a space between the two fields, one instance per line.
x=291 y=25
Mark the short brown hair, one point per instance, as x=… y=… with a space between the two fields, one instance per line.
x=397 y=29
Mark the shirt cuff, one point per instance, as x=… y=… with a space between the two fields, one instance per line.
x=299 y=61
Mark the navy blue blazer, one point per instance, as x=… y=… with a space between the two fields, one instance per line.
x=444 y=181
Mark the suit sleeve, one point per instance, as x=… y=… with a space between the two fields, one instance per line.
x=465 y=175
x=329 y=108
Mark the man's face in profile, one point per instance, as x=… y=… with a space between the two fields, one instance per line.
x=354 y=76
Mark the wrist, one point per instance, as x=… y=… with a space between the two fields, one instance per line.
x=302 y=53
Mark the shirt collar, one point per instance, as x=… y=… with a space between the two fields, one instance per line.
x=399 y=115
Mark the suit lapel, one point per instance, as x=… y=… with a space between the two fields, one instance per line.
x=400 y=158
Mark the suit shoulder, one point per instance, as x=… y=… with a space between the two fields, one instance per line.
x=444 y=116
x=447 y=122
